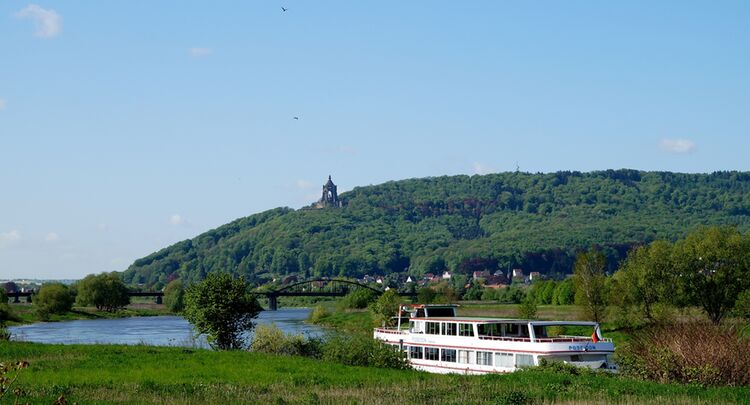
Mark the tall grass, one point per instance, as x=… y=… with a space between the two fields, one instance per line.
x=689 y=352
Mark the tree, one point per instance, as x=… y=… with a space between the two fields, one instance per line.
x=646 y=278
x=564 y=293
x=53 y=298
x=590 y=284
x=174 y=296
x=221 y=308
x=713 y=267
x=105 y=291
x=385 y=308
x=426 y=295
x=527 y=309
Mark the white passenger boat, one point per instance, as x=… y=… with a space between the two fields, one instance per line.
x=438 y=341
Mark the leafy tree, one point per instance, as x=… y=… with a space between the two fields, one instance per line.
x=385 y=308
x=528 y=308
x=646 y=278
x=426 y=295
x=53 y=298
x=174 y=296
x=221 y=308
x=5 y=311
x=564 y=293
x=358 y=299
x=105 y=291
x=713 y=266
x=590 y=283
x=742 y=306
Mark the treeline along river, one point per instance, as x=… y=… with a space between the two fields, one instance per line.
x=153 y=330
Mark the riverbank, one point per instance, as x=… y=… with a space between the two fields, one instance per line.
x=150 y=375
x=25 y=314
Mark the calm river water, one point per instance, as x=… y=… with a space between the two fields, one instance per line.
x=154 y=330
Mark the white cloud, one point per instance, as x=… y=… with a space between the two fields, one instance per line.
x=677 y=145
x=304 y=184
x=52 y=237
x=9 y=237
x=47 y=22
x=176 y=220
x=3 y=103
x=198 y=52
x=480 y=168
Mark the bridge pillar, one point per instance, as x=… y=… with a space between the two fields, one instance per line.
x=158 y=299
x=28 y=298
x=272 y=303
x=16 y=299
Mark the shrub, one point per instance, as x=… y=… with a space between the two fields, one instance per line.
x=358 y=299
x=742 y=306
x=317 y=314
x=527 y=309
x=362 y=350
x=174 y=296
x=696 y=352
x=54 y=298
x=272 y=340
x=386 y=307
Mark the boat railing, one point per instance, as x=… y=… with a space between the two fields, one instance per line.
x=556 y=339
x=392 y=331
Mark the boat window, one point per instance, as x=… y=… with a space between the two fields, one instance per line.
x=441 y=312
x=431 y=353
x=433 y=328
x=524 y=360
x=415 y=352
x=463 y=356
x=448 y=355
x=489 y=329
x=512 y=329
x=540 y=331
x=484 y=358
x=465 y=329
x=416 y=327
x=449 y=328
x=420 y=313
x=504 y=360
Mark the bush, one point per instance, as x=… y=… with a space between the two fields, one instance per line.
x=527 y=309
x=317 y=314
x=54 y=298
x=742 y=306
x=361 y=350
x=385 y=308
x=272 y=340
x=174 y=296
x=358 y=299
x=696 y=352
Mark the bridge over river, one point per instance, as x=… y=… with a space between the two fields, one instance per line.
x=317 y=287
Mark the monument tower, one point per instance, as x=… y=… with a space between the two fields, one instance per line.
x=330 y=197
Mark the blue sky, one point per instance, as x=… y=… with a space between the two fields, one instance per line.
x=127 y=126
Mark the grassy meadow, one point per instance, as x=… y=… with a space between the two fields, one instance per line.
x=167 y=375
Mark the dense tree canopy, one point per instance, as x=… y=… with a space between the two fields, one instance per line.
x=536 y=222
x=53 y=298
x=105 y=291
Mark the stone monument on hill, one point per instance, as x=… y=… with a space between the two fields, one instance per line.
x=330 y=197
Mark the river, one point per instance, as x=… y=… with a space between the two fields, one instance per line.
x=151 y=330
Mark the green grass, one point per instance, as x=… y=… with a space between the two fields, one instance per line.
x=150 y=375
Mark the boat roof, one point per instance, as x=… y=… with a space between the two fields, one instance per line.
x=503 y=320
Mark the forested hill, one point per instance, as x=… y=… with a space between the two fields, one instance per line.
x=463 y=223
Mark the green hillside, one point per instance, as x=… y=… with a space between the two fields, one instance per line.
x=463 y=223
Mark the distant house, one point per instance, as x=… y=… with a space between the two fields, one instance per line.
x=409 y=280
x=480 y=274
x=379 y=280
x=518 y=273
x=535 y=275
x=290 y=279
x=447 y=275
x=495 y=280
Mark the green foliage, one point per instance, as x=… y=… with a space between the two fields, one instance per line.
x=174 y=296
x=527 y=309
x=8 y=375
x=358 y=299
x=362 y=350
x=385 y=308
x=462 y=224
x=426 y=295
x=5 y=314
x=105 y=291
x=221 y=308
x=742 y=306
x=317 y=314
x=590 y=284
x=272 y=340
x=714 y=268
x=53 y=298
x=564 y=293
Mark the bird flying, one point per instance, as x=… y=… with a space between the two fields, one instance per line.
x=283 y=9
